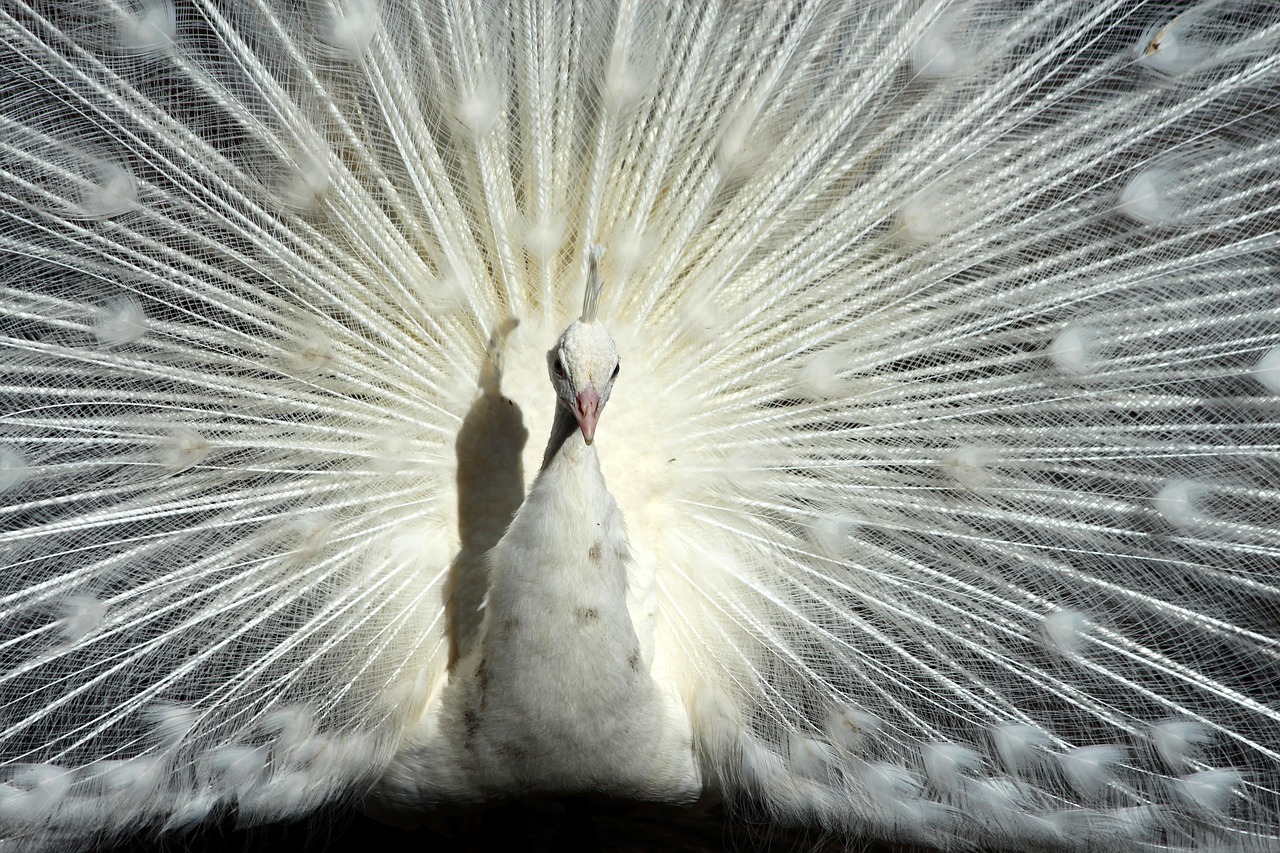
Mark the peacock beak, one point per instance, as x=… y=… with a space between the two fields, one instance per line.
x=587 y=411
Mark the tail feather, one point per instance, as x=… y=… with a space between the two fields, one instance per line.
x=946 y=438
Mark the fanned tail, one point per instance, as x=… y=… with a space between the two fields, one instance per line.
x=980 y=543
x=947 y=440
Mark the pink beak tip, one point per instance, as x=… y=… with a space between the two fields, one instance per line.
x=587 y=413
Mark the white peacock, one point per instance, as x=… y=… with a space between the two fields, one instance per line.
x=947 y=441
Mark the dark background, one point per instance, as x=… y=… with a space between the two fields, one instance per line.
x=548 y=825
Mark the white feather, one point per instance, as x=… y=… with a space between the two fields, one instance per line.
x=944 y=448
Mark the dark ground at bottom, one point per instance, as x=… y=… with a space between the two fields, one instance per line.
x=571 y=826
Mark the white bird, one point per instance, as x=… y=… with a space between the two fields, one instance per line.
x=943 y=476
x=556 y=694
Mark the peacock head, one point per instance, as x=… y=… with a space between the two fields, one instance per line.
x=584 y=362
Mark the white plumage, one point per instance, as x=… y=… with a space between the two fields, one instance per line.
x=553 y=694
x=947 y=439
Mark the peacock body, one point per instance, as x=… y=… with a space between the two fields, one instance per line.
x=554 y=695
x=937 y=499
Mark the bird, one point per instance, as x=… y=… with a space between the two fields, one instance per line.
x=937 y=501
x=558 y=640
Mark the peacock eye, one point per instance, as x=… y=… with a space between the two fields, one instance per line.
x=617 y=368
x=558 y=367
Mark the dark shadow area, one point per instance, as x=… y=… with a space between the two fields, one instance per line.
x=490 y=490
x=571 y=825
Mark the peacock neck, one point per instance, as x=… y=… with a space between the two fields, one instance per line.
x=566 y=442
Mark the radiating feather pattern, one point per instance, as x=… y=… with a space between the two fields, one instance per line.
x=946 y=436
